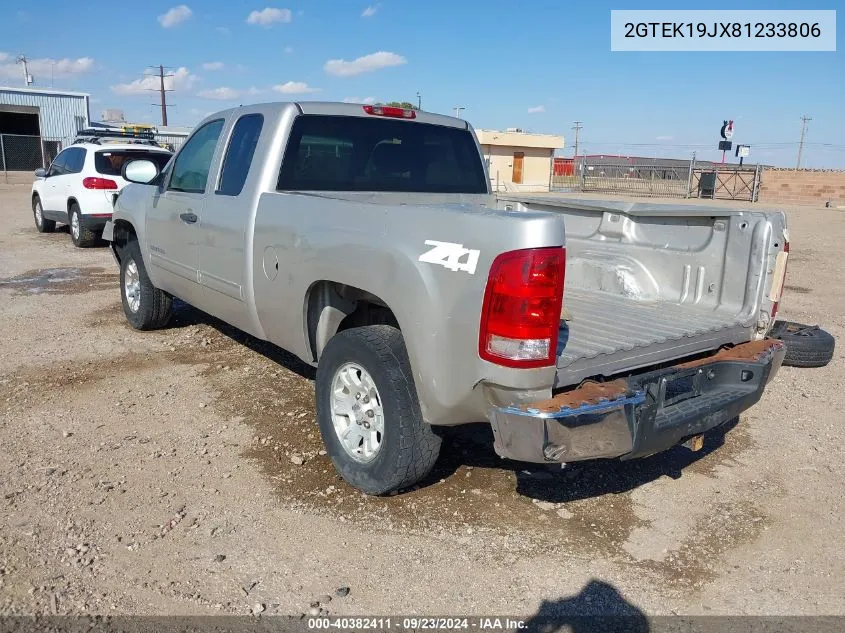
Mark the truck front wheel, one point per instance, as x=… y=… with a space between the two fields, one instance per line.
x=368 y=411
x=145 y=306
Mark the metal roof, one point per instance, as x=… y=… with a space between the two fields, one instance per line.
x=64 y=93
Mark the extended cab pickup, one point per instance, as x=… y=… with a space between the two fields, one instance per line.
x=365 y=240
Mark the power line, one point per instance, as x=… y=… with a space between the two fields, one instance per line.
x=577 y=127
x=804 y=120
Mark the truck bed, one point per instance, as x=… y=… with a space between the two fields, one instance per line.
x=648 y=283
x=611 y=333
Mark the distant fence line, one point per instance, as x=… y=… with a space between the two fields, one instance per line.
x=675 y=179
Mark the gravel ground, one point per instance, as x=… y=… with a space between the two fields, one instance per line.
x=181 y=472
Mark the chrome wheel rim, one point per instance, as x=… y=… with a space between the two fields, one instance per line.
x=39 y=216
x=132 y=286
x=357 y=412
x=74 y=225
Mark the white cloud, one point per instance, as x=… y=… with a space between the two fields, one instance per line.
x=268 y=16
x=175 y=16
x=365 y=64
x=213 y=66
x=221 y=94
x=370 y=11
x=369 y=100
x=224 y=93
x=664 y=138
x=44 y=68
x=223 y=30
x=537 y=109
x=295 y=88
x=288 y=49
x=180 y=79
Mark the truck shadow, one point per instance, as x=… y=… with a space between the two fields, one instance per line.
x=472 y=445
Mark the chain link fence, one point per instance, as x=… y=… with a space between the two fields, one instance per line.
x=669 y=178
x=20 y=155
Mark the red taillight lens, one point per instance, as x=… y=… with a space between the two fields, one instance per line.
x=782 y=281
x=98 y=183
x=391 y=111
x=520 y=317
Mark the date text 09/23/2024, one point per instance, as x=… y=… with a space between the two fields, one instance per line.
x=416 y=623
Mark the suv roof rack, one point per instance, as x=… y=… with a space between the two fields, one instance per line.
x=142 y=137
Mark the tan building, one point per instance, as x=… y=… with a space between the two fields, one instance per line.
x=518 y=161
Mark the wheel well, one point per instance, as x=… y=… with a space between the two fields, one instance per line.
x=332 y=307
x=124 y=232
x=70 y=203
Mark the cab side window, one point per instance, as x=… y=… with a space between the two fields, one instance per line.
x=239 y=154
x=190 y=170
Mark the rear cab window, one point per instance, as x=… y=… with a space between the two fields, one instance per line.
x=347 y=153
x=110 y=162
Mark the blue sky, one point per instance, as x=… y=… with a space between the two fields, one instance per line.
x=538 y=65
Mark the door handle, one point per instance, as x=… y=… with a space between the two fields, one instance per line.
x=188 y=218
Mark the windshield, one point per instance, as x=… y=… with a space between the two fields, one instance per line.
x=110 y=163
x=341 y=153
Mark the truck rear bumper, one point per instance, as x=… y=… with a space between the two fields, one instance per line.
x=641 y=415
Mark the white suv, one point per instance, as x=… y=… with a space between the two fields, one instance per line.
x=81 y=185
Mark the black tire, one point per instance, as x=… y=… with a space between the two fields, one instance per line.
x=82 y=236
x=806 y=345
x=409 y=446
x=41 y=223
x=155 y=306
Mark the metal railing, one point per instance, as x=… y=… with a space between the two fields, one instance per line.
x=660 y=178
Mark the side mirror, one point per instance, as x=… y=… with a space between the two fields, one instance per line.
x=40 y=173
x=140 y=171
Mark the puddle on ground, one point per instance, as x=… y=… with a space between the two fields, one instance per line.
x=61 y=281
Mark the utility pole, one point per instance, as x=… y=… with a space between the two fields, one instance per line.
x=419 y=100
x=27 y=78
x=163 y=92
x=458 y=111
x=577 y=127
x=804 y=120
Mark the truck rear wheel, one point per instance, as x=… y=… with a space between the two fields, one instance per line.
x=368 y=411
x=145 y=306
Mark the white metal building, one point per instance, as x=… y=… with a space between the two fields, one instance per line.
x=35 y=124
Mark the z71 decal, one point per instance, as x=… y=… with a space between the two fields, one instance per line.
x=449 y=255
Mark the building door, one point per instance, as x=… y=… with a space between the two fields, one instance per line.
x=518 y=160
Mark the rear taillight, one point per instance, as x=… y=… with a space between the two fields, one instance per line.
x=98 y=183
x=520 y=317
x=782 y=281
x=391 y=111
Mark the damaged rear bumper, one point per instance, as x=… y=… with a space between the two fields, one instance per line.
x=640 y=415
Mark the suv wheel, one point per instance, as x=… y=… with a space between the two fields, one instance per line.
x=82 y=236
x=145 y=306
x=41 y=223
x=368 y=411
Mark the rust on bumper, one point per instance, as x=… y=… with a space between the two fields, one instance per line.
x=639 y=415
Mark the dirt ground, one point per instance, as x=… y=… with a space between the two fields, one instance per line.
x=153 y=473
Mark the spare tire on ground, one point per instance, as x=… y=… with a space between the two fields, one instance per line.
x=806 y=345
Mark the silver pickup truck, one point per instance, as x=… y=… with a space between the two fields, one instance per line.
x=365 y=240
